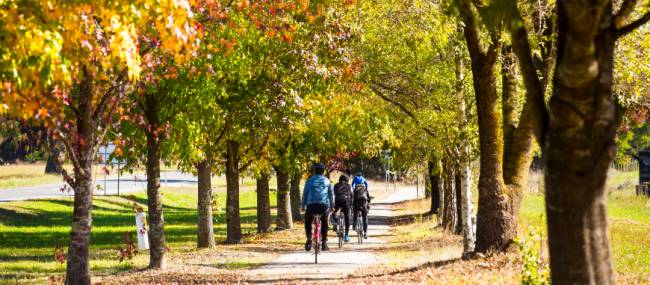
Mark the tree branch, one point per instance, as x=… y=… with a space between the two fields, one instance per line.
x=103 y=102
x=470 y=29
x=257 y=153
x=70 y=150
x=633 y=26
x=535 y=90
x=402 y=108
x=624 y=12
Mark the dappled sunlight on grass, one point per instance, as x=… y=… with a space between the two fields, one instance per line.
x=30 y=231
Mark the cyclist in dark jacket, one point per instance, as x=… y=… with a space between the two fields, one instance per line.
x=361 y=201
x=317 y=199
x=343 y=202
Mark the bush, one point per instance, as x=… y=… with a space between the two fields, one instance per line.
x=534 y=271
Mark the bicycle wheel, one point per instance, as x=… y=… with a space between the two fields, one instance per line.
x=316 y=250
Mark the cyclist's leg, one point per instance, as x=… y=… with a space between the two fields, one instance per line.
x=346 y=214
x=364 y=212
x=324 y=223
x=354 y=216
x=308 y=220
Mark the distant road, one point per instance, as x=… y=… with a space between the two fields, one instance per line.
x=128 y=183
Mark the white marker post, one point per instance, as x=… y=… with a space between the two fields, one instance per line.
x=141 y=225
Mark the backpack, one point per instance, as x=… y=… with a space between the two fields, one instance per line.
x=360 y=193
x=342 y=193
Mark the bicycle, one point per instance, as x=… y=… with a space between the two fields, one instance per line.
x=359 y=227
x=339 y=229
x=316 y=237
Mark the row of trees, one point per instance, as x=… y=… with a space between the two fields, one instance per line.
x=217 y=86
x=227 y=86
x=573 y=104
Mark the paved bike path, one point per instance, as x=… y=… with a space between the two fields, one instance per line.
x=336 y=263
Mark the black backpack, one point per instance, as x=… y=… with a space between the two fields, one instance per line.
x=342 y=193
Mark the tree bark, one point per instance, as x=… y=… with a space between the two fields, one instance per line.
x=464 y=185
x=458 y=227
x=263 y=204
x=295 y=195
x=495 y=228
x=154 y=199
x=434 y=177
x=517 y=136
x=449 y=210
x=205 y=224
x=233 y=223
x=427 y=181
x=510 y=101
x=81 y=150
x=284 y=220
x=580 y=145
x=467 y=208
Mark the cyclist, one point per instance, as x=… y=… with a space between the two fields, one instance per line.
x=317 y=199
x=343 y=202
x=361 y=201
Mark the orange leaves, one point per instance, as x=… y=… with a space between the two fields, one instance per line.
x=228 y=45
x=242 y=5
x=287 y=37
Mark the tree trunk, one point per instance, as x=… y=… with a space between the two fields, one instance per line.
x=154 y=199
x=205 y=226
x=263 y=204
x=427 y=181
x=495 y=228
x=467 y=208
x=78 y=271
x=464 y=183
x=54 y=161
x=517 y=136
x=81 y=149
x=295 y=195
x=458 y=228
x=449 y=209
x=510 y=101
x=580 y=145
x=434 y=177
x=284 y=220
x=233 y=228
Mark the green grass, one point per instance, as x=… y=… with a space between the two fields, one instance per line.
x=30 y=231
x=629 y=225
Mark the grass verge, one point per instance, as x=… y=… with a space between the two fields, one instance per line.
x=31 y=230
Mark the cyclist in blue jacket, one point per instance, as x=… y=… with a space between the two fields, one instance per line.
x=360 y=201
x=317 y=198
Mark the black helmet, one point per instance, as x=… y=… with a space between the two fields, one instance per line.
x=359 y=173
x=343 y=178
x=318 y=168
